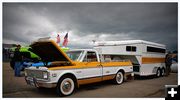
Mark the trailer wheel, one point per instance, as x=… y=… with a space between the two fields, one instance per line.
x=162 y=72
x=65 y=86
x=119 y=78
x=158 y=72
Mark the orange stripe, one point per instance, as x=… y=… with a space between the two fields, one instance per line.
x=109 y=77
x=148 y=60
x=89 y=80
x=95 y=79
x=82 y=65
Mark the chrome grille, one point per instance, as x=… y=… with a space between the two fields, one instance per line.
x=35 y=73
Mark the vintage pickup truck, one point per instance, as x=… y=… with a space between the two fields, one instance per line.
x=69 y=70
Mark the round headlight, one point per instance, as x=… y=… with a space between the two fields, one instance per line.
x=45 y=75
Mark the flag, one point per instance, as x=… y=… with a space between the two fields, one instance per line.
x=65 y=40
x=58 y=39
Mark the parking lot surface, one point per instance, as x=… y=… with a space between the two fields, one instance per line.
x=139 y=88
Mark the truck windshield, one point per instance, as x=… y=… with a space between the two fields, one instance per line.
x=74 y=55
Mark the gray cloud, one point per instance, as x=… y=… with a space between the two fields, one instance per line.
x=25 y=22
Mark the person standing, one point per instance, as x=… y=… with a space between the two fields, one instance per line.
x=168 y=62
x=18 y=61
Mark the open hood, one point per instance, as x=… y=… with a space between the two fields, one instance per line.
x=49 y=51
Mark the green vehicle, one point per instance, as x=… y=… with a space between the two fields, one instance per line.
x=25 y=49
x=27 y=55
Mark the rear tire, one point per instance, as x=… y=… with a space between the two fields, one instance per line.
x=119 y=78
x=65 y=86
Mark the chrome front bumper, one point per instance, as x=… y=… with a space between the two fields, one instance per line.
x=33 y=82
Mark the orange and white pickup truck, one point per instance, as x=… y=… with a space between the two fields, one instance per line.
x=69 y=70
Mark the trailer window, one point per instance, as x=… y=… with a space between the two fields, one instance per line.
x=154 y=49
x=131 y=48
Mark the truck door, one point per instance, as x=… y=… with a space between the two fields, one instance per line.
x=93 y=71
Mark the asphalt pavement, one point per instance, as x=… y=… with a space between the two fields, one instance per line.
x=150 y=87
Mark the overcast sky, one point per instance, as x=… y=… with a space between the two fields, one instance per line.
x=25 y=22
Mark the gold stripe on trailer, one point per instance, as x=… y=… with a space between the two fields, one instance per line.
x=149 y=60
x=116 y=64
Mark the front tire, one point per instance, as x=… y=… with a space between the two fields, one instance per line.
x=66 y=86
x=119 y=78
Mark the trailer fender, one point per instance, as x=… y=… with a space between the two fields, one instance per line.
x=155 y=70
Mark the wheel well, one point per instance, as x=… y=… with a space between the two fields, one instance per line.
x=69 y=75
x=121 y=70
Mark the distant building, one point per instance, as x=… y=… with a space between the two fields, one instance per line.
x=6 y=51
x=7 y=46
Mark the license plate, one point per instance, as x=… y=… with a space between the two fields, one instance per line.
x=30 y=81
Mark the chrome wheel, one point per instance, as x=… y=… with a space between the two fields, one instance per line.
x=119 y=77
x=67 y=86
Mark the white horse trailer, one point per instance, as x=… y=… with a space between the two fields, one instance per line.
x=148 y=58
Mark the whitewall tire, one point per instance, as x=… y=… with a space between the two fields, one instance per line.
x=65 y=87
x=119 y=78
